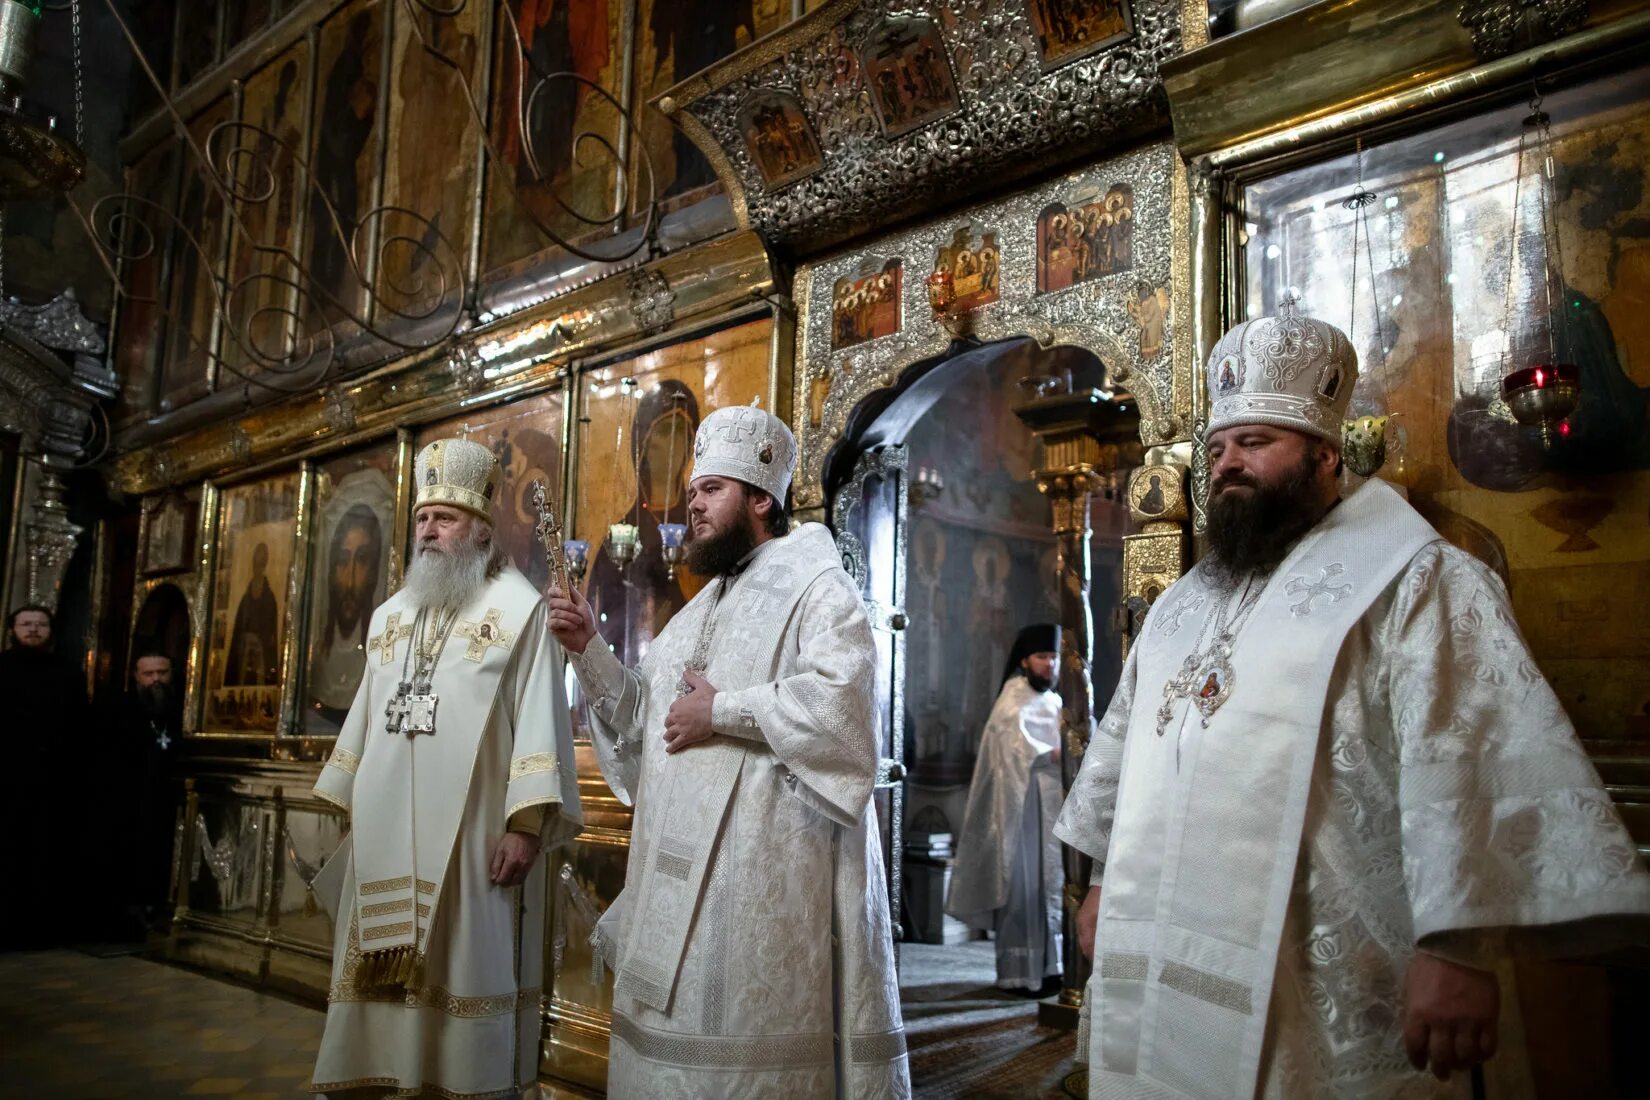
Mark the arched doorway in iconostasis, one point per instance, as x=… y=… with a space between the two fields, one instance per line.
x=936 y=508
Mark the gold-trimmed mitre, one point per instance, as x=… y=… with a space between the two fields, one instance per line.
x=1287 y=370
x=748 y=444
x=460 y=473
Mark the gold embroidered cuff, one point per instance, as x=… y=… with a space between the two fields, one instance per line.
x=531 y=765
x=344 y=760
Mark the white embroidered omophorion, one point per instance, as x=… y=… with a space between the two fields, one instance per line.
x=1449 y=806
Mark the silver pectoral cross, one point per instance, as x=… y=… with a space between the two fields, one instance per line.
x=395 y=711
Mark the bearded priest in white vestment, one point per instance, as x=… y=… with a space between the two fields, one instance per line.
x=1009 y=879
x=1333 y=791
x=456 y=767
x=751 y=944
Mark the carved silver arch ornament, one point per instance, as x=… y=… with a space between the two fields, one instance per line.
x=865 y=318
x=865 y=112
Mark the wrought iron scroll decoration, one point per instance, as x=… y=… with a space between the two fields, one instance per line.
x=414 y=291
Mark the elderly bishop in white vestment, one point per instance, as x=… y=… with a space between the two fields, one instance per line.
x=752 y=945
x=459 y=734
x=1320 y=779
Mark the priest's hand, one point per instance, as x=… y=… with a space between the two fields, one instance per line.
x=1088 y=920
x=689 y=719
x=1450 y=1014
x=571 y=619
x=513 y=858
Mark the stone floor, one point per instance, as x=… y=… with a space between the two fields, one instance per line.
x=74 y=1026
x=78 y=1027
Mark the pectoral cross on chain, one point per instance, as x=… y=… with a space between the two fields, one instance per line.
x=411 y=712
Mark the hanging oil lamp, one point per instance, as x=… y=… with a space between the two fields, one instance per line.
x=1363 y=438
x=673 y=536
x=1545 y=392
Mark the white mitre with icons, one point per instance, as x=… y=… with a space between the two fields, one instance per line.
x=1285 y=370
x=748 y=444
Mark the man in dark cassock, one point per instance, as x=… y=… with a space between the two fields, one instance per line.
x=46 y=711
x=145 y=731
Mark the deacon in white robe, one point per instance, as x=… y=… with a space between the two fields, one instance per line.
x=1008 y=878
x=456 y=767
x=752 y=945
x=1333 y=789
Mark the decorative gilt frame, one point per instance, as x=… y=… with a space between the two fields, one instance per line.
x=1092 y=315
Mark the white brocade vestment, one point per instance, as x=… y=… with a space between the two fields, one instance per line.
x=1443 y=803
x=1008 y=877
x=751 y=944
x=427 y=812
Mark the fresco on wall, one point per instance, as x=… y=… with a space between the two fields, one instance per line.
x=1569 y=527
x=581 y=37
x=352 y=546
x=905 y=67
x=866 y=307
x=256 y=527
x=1085 y=238
x=674 y=40
x=345 y=153
x=636 y=456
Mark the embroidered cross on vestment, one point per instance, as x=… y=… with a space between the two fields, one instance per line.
x=485 y=635
x=384 y=644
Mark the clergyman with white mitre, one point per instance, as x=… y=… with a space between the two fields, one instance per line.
x=752 y=945
x=455 y=764
x=1333 y=791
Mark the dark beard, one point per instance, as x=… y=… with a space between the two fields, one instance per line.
x=1253 y=534
x=1039 y=684
x=156 y=701
x=719 y=555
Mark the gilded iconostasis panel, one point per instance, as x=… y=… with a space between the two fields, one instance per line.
x=635 y=459
x=674 y=40
x=352 y=548
x=433 y=153
x=266 y=181
x=1452 y=307
x=153 y=179
x=526 y=435
x=246 y=666
x=198 y=245
x=555 y=136
x=345 y=145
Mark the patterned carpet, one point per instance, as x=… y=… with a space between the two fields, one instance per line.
x=972 y=1041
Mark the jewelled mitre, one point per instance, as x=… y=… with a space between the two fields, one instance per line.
x=460 y=473
x=748 y=444
x=1286 y=370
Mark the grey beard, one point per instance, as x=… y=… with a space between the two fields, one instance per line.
x=451 y=581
